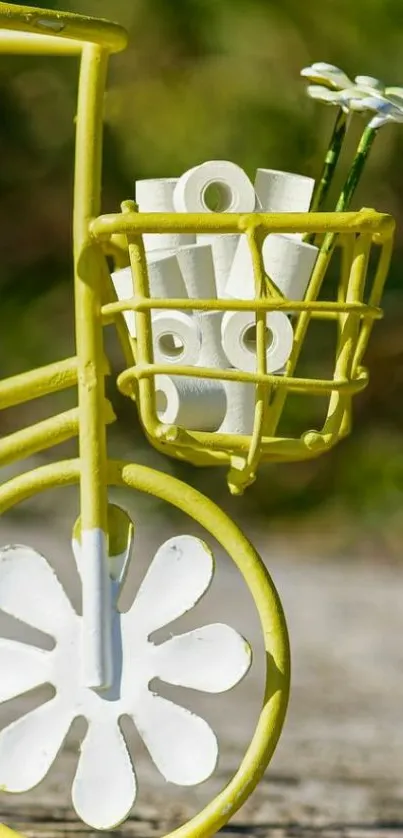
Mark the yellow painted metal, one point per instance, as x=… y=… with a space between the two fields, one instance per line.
x=131 y=223
x=6 y=832
x=46 y=434
x=24 y=43
x=318 y=308
x=261 y=587
x=89 y=268
x=62 y=25
x=39 y=437
x=36 y=31
x=359 y=232
x=356 y=233
x=120 y=235
x=39 y=382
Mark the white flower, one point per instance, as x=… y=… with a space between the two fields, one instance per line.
x=349 y=99
x=388 y=107
x=183 y=747
x=325 y=95
x=396 y=92
x=387 y=111
x=366 y=93
x=368 y=83
x=326 y=75
x=332 y=78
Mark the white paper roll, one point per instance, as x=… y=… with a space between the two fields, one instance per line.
x=283 y=191
x=233 y=191
x=287 y=261
x=239 y=416
x=156 y=195
x=194 y=403
x=197 y=268
x=224 y=248
x=123 y=284
x=212 y=353
x=165 y=278
x=176 y=338
x=239 y=340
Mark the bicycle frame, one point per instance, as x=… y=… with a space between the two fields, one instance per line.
x=95 y=301
x=38 y=32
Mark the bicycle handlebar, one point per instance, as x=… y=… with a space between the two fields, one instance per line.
x=66 y=25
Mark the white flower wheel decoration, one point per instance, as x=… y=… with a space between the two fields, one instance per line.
x=213 y=659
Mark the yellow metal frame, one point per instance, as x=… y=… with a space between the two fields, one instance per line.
x=356 y=233
x=35 y=31
x=96 y=305
x=265 y=597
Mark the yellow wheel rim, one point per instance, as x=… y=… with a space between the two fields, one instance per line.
x=260 y=585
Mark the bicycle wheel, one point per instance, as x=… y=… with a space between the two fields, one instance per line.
x=215 y=522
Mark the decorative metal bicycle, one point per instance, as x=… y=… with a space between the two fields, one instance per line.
x=117 y=658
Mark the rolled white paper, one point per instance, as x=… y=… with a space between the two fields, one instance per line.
x=211 y=353
x=165 y=276
x=234 y=190
x=156 y=195
x=287 y=261
x=239 y=340
x=239 y=416
x=165 y=279
x=123 y=284
x=224 y=248
x=283 y=191
x=197 y=268
x=196 y=265
x=194 y=403
x=176 y=338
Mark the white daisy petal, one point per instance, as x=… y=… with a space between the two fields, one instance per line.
x=395 y=115
x=211 y=659
x=369 y=82
x=31 y=591
x=324 y=66
x=386 y=108
x=396 y=100
x=355 y=104
x=323 y=94
x=379 y=120
x=22 y=668
x=357 y=99
x=376 y=103
x=327 y=75
x=29 y=746
x=104 y=787
x=182 y=746
x=395 y=92
x=178 y=577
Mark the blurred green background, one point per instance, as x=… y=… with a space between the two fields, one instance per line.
x=207 y=79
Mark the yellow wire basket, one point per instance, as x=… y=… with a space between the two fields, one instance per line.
x=347 y=244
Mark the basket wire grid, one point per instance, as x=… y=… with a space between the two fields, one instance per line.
x=356 y=234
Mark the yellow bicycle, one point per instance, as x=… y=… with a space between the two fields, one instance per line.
x=102 y=536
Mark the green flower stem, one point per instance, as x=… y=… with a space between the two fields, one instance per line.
x=331 y=160
x=353 y=179
x=329 y=167
x=357 y=169
x=320 y=269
